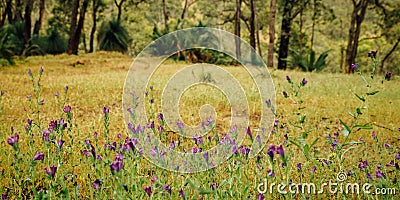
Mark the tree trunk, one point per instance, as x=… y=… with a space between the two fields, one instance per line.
x=272 y=11
x=164 y=11
x=93 y=30
x=28 y=22
x=119 y=7
x=314 y=17
x=301 y=32
x=72 y=29
x=357 y=18
x=237 y=28
x=7 y=13
x=38 y=23
x=258 y=36
x=285 y=37
x=79 y=28
x=252 y=25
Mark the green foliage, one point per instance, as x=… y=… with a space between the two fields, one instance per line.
x=113 y=36
x=6 y=47
x=53 y=43
x=308 y=63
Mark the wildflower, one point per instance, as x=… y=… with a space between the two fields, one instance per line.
x=13 y=139
x=66 y=88
x=214 y=186
x=4 y=196
x=379 y=174
x=106 y=110
x=285 y=94
x=304 y=82
x=248 y=131
x=348 y=173
x=167 y=188
x=271 y=173
x=387 y=146
x=205 y=155
x=67 y=109
x=363 y=164
x=372 y=54
x=398 y=156
x=354 y=66
x=153 y=179
x=271 y=150
x=60 y=143
x=180 y=125
x=280 y=151
x=151 y=101
x=288 y=79
x=268 y=102
x=181 y=193
x=361 y=139
x=41 y=102
x=116 y=166
x=258 y=138
x=161 y=117
x=41 y=70
x=388 y=76
x=313 y=169
x=96 y=184
x=276 y=123
x=373 y=134
x=147 y=189
x=336 y=134
x=379 y=166
x=245 y=151
x=299 y=166
x=30 y=72
x=52 y=171
x=260 y=196
x=38 y=156
x=369 y=176
x=1 y=93
x=56 y=94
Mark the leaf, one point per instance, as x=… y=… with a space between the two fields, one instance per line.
x=363 y=127
x=359 y=111
x=347 y=128
x=302 y=119
x=314 y=143
x=372 y=93
x=293 y=142
x=203 y=191
x=361 y=98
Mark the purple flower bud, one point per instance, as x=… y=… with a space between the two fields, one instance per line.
x=13 y=139
x=38 y=156
x=41 y=102
x=56 y=94
x=67 y=109
x=336 y=134
x=41 y=70
x=288 y=78
x=181 y=193
x=361 y=139
x=350 y=172
x=271 y=150
x=354 y=66
x=388 y=76
x=52 y=171
x=248 y=131
x=271 y=173
x=304 y=82
x=167 y=188
x=180 y=125
x=116 y=166
x=96 y=184
x=379 y=174
x=153 y=179
x=372 y=54
x=398 y=156
x=106 y=110
x=387 y=146
x=369 y=176
x=280 y=151
x=66 y=88
x=313 y=169
x=4 y=196
x=60 y=143
x=276 y=123
x=1 y=93
x=285 y=94
x=147 y=189
x=260 y=196
x=373 y=134
x=29 y=72
x=160 y=116
x=299 y=166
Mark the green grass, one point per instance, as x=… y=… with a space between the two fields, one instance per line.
x=96 y=81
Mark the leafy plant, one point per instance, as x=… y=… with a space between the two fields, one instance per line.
x=113 y=36
x=308 y=63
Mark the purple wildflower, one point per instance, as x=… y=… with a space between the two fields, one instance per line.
x=180 y=125
x=52 y=171
x=288 y=79
x=245 y=151
x=354 y=66
x=372 y=54
x=167 y=188
x=106 y=110
x=304 y=82
x=388 y=76
x=147 y=189
x=268 y=102
x=248 y=131
x=41 y=70
x=387 y=146
x=299 y=166
x=13 y=139
x=66 y=88
x=313 y=169
x=379 y=174
x=1 y=93
x=260 y=196
x=161 y=117
x=56 y=94
x=363 y=164
x=181 y=193
x=336 y=134
x=67 y=109
x=276 y=122
x=271 y=173
x=60 y=143
x=38 y=156
x=361 y=139
x=116 y=165
x=369 y=176
x=205 y=156
x=398 y=156
x=285 y=94
x=349 y=172
x=280 y=151
x=30 y=72
x=153 y=179
x=373 y=134
x=96 y=184
x=271 y=150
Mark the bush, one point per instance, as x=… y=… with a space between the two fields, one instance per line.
x=113 y=37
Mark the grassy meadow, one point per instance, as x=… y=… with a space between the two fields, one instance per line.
x=96 y=81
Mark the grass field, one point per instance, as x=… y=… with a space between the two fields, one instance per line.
x=96 y=81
